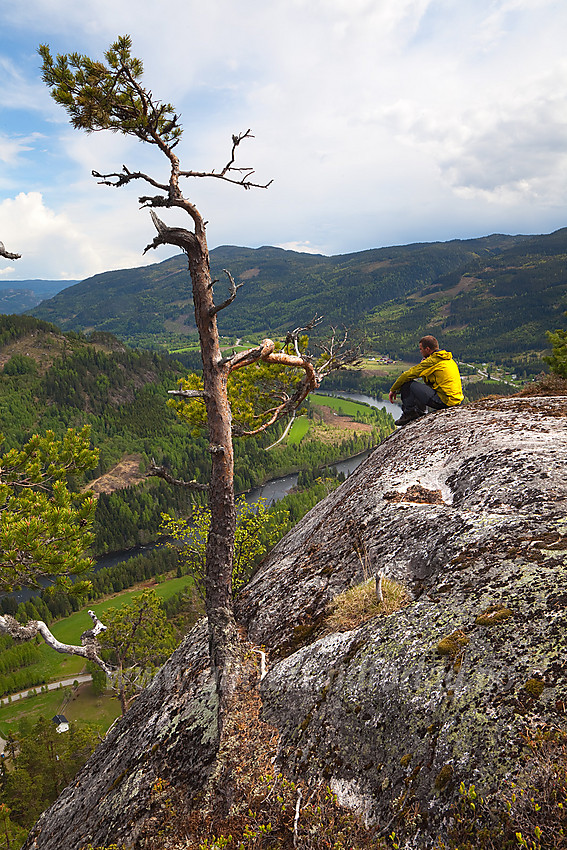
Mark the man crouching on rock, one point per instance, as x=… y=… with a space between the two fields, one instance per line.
x=442 y=387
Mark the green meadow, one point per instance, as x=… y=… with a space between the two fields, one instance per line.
x=298 y=430
x=84 y=706
x=347 y=407
x=79 y=706
x=71 y=628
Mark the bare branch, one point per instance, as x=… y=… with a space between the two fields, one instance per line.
x=188 y=393
x=124 y=177
x=266 y=353
x=244 y=182
x=336 y=355
x=234 y=287
x=184 y=239
x=246 y=358
x=161 y=472
x=229 y=168
x=7 y=254
x=285 y=432
x=97 y=628
x=89 y=649
x=308 y=384
x=292 y=337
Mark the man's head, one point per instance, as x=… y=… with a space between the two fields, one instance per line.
x=427 y=345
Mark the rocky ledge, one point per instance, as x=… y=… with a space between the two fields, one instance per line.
x=467 y=508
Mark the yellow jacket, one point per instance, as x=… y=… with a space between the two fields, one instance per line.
x=440 y=371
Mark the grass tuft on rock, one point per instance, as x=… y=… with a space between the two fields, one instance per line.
x=359 y=603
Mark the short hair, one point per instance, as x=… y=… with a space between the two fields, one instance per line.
x=429 y=342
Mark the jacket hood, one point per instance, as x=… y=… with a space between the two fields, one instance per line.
x=442 y=355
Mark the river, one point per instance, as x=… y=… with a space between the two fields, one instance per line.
x=394 y=409
x=277 y=488
x=271 y=491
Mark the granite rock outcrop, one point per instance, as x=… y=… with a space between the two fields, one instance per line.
x=466 y=507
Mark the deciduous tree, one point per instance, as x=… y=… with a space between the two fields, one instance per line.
x=558 y=358
x=139 y=639
x=257 y=530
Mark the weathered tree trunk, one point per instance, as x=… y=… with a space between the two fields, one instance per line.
x=220 y=543
x=121 y=690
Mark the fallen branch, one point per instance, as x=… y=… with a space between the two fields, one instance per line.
x=262 y=662
x=296 y=818
x=89 y=649
x=379 y=579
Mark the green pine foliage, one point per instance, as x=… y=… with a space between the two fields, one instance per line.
x=44 y=526
x=39 y=763
x=558 y=359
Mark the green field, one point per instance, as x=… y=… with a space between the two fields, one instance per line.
x=55 y=666
x=348 y=408
x=82 y=706
x=298 y=430
x=71 y=628
x=100 y=711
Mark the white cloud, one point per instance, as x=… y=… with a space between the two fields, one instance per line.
x=17 y=90
x=301 y=247
x=506 y=146
x=379 y=120
x=12 y=148
x=53 y=245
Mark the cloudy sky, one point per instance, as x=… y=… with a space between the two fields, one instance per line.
x=380 y=122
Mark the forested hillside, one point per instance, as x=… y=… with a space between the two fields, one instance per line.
x=19 y=295
x=496 y=311
x=50 y=380
x=283 y=289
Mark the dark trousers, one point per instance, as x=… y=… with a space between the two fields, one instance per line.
x=416 y=397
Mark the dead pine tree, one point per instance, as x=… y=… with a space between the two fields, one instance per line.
x=109 y=95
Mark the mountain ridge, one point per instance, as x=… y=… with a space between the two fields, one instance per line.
x=490 y=292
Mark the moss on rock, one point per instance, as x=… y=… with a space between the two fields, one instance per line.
x=444 y=776
x=453 y=644
x=492 y=615
x=534 y=687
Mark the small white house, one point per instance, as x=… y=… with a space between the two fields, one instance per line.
x=61 y=723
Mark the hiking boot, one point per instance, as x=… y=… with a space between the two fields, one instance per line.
x=408 y=417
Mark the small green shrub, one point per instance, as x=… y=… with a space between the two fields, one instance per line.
x=529 y=813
